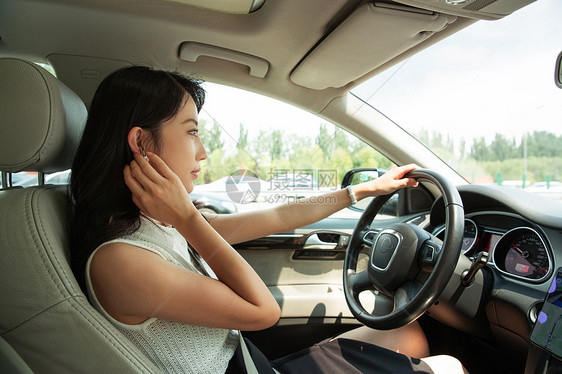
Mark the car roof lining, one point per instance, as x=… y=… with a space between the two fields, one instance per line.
x=150 y=32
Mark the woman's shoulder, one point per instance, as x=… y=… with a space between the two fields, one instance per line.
x=148 y=236
x=165 y=242
x=116 y=273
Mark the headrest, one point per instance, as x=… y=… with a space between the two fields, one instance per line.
x=41 y=120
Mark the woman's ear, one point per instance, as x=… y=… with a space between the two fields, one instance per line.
x=134 y=138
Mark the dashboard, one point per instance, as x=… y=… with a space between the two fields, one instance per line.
x=520 y=231
x=516 y=247
x=522 y=234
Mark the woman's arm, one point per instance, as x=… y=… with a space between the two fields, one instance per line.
x=236 y=228
x=134 y=284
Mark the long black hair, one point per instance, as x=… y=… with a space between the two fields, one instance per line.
x=103 y=206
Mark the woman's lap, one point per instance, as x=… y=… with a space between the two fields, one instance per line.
x=358 y=351
x=348 y=356
x=332 y=356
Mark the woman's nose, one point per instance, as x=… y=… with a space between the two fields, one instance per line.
x=202 y=154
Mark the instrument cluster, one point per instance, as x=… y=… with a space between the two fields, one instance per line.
x=520 y=251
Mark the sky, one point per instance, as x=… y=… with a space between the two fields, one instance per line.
x=494 y=76
x=223 y=104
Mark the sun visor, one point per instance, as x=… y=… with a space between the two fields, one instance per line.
x=351 y=51
x=225 y=6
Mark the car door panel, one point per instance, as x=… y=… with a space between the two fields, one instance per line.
x=303 y=270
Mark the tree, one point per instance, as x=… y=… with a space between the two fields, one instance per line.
x=462 y=148
x=502 y=148
x=479 y=150
x=211 y=137
x=341 y=138
x=324 y=141
x=242 y=138
x=276 y=145
x=543 y=144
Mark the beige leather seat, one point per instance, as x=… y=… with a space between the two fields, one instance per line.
x=46 y=322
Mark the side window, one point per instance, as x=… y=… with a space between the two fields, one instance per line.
x=261 y=151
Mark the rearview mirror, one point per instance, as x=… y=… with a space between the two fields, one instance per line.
x=360 y=175
x=558 y=71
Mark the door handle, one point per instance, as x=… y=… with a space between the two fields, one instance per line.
x=314 y=242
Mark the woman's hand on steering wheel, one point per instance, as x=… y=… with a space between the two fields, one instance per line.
x=398 y=255
x=389 y=182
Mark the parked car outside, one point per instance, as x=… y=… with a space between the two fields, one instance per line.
x=213 y=202
x=241 y=189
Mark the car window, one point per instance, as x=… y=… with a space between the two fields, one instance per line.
x=484 y=100
x=279 y=152
x=26 y=179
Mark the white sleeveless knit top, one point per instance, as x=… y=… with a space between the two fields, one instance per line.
x=174 y=347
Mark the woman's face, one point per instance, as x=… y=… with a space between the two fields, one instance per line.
x=181 y=148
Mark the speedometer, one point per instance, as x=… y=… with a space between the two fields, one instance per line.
x=470 y=236
x=521 y=252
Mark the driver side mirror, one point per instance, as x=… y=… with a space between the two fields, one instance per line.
x=360 y=175
x=558 y=71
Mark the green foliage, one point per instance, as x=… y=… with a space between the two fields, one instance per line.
x=272 y=152
x=242 y=137
x=503 y=156
x=324 y=140
x=210 y=136
x=543 y=144
x=275 y=144
x=538 y=168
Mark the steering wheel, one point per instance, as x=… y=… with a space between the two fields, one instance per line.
x=407 y=265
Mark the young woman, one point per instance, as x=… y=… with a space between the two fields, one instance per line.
x=180 y=303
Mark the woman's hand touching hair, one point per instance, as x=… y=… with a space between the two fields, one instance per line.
x=237 y=299
x=157 y=190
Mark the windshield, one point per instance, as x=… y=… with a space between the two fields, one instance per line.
x=484 y=100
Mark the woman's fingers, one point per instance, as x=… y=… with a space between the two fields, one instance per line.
x=160 y=166
x=395 y=179
x=398 y=174
x=140 y=175
x=136 y=188
x=410 y=182
x=134 y=185
x=146 y=172
x=156 y=189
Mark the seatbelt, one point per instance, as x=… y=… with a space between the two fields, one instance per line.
x=248 y=360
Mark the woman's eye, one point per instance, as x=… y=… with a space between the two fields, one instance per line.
x=194 y=132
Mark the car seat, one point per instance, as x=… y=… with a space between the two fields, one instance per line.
x=46 y=322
